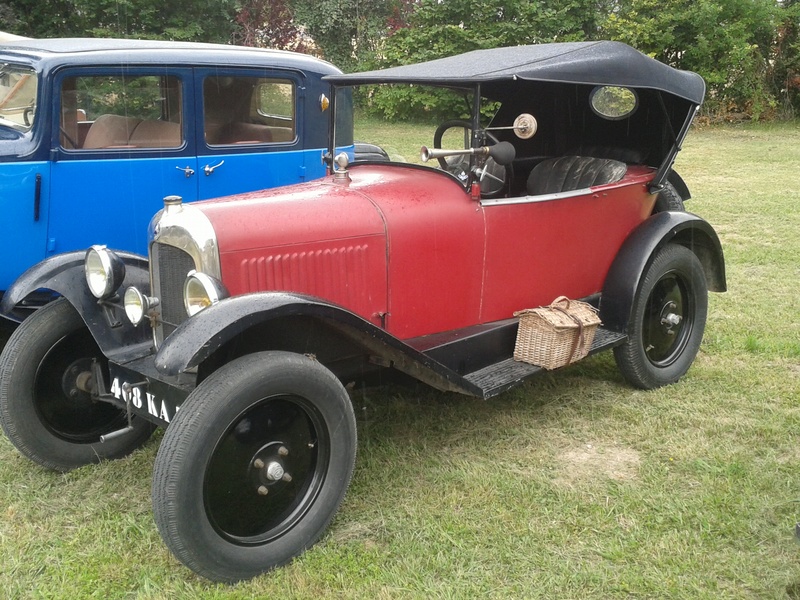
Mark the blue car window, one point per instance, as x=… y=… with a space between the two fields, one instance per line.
x=17 y=97
x=108 y=112
x=248 y=110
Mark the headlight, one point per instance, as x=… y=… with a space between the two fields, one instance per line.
x=201 y=291
x=137 y=305
x=104 y=270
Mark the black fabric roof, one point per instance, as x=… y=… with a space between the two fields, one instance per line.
x=594 y=63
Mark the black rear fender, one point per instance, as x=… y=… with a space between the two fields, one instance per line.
x=624 y=277
x=679 y=184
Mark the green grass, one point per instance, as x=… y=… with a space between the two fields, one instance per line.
x=573 y=486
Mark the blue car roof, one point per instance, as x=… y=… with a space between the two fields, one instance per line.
x=55 y=52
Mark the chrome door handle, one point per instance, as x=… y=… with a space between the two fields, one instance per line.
x=209 y=170
x=188 y=171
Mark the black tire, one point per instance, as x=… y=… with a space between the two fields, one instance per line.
x=668 y=199
x=219 y=500
x=660 y=350
x=41 y=410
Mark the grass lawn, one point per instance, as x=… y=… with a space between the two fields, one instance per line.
x=573 y=486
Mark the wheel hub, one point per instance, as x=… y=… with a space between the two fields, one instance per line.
x=669 y=318
x=666 y=328
x=270 y=466
x=75 y=378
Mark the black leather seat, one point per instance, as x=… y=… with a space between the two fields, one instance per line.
x=567 y=173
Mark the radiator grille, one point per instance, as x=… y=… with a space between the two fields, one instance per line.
x=172 y=265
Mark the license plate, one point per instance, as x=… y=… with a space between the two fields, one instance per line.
x=152 y=399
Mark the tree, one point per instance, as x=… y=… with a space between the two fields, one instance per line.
x=186 y=20
x=728 y=42
x=8 y=18
x=195 y=20
x=349 y=32
x=438 y=29
x=785 y=63
x=269 y=23
x=34 y=18
x=747 y=50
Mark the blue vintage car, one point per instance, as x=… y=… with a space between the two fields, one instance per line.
x=94 y=133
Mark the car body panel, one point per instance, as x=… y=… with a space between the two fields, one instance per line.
x=321 y=239
x=439 y=239
x=264 y=309
x=518 y=275
x=291 y=164
x=108 y=193
x=87 y=208
x=417 y=255
x=18 y=199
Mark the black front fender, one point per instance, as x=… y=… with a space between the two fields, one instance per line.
x=624 y=277
x=64 y=275
x=197 y=338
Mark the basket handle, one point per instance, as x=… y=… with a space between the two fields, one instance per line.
x=580 y=341
x=561 y=300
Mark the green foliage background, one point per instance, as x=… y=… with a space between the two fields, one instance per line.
x=748 y=51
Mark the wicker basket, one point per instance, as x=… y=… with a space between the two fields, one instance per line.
x=556 y=335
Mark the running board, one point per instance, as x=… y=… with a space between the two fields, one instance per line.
x=499 y=377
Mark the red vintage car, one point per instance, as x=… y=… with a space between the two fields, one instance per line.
x=255 y=311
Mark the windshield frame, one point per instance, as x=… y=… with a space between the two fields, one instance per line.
x=473 y=105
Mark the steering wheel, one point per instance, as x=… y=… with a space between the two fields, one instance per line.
x=494 y=178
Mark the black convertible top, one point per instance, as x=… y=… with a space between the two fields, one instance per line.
x=594 y=63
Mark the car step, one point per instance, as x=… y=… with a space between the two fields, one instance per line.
x=504 y=375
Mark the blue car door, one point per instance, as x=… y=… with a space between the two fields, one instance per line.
x=251 y=133
x=24 y=171
x=125 y=140
x=24 y=203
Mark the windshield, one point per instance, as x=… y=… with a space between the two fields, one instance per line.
x=429 y=126
x=401 y=118
x=17 y=97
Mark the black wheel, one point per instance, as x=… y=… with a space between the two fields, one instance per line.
x=667 y=321
x=42 y=411
x=668 y=199
x=495 y=178
x=254 y=466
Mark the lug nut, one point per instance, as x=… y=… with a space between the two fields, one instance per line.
x=283 y=451
x=259 y=464
x=262 y=490
x=286 y=477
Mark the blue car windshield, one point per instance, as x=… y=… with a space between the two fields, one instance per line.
x=18 y=87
